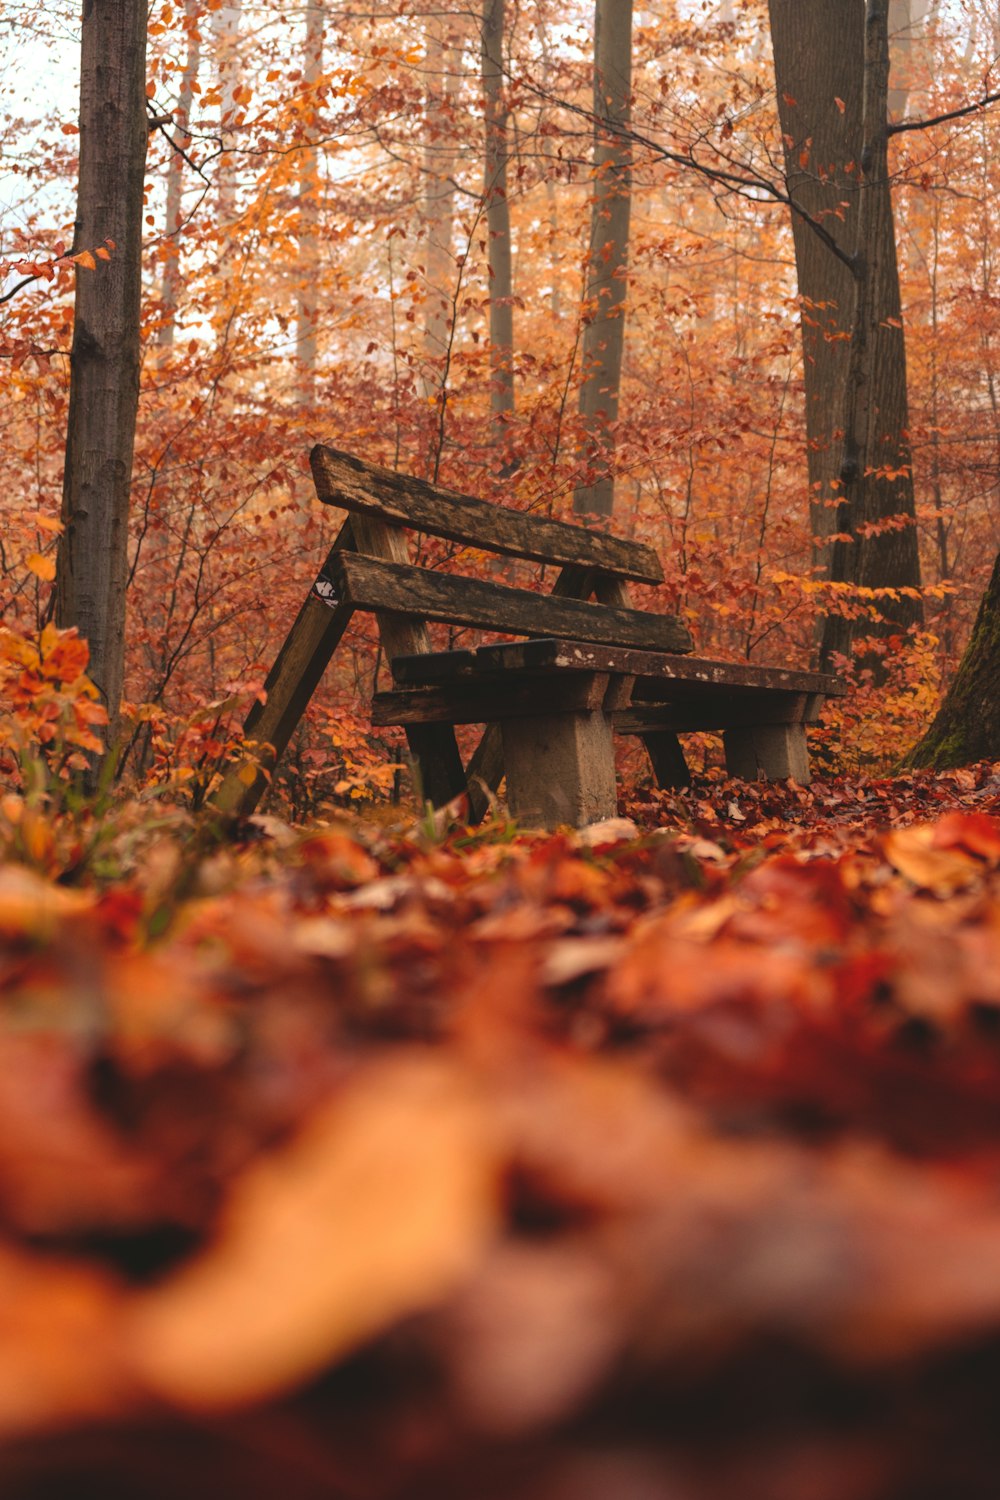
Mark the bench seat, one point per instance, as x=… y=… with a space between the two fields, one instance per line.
x=558 y=701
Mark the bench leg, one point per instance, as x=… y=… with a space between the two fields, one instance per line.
x=437 y=763
x=560 y=769
x=670 y=769
x=772 y=752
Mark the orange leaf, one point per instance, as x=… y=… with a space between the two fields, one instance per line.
x=85 y=259
x=42 y=567
x=379 y=1209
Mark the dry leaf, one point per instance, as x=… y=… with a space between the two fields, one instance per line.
x=379 y=1209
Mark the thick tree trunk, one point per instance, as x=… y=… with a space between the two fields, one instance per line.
x=831 y=70
x=498 y=222
x=104 y=359
x=877 y=510
x=818 y=61
x=967 y=725
x=604 y=310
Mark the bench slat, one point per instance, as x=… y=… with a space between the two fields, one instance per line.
x=365 y=583
x=718 y=710
x=403 y=501
x=659 y=675
x=482 y=703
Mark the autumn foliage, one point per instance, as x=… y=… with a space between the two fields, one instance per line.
x=323 y=276
x=421 y=1162
x=349 y=1152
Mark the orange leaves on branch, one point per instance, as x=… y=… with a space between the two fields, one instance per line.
x=51 y=701
x=43 y=567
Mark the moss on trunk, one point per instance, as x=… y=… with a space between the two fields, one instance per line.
x=967 y=725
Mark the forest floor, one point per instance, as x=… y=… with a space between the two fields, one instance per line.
x=655 y=1162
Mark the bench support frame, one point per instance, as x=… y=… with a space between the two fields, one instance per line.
x=560 y=769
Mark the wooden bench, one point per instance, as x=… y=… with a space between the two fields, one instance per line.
x=592 y=666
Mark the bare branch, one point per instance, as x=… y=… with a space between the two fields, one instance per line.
x=953 y=114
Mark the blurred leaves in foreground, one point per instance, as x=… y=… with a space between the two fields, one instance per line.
x=655 y=1162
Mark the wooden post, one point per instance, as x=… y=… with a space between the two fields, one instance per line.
x=560 y=769
x=771 y=752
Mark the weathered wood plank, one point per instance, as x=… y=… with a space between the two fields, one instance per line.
x=368 y=584
x=657 y=673
x=712 y=710
x=483 y=703
x=290 y=684
x=438 y=773
x=397 y=498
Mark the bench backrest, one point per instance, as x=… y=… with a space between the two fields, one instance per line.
x=375 y=571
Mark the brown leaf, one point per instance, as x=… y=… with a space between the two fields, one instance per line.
x=378 y=1209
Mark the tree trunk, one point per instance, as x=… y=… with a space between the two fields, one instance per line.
x=171 y=285
x=308 y=227
x=818 y=60
x=104 y=358
x=498 y=223
x=967 y=725
x=226 y=47
x=604 y=309
x=877 y=538
x=832 y=83
x=440 y=157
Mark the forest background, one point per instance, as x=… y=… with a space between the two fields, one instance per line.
x=320 y=264
x=347 y=1154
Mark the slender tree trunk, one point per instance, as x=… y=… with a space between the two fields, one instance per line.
x=226 y=47
x=439 y=199
x=104 y=358
x=967 y=725
x=498 y=222
x=308 y=241
x=607 y=261
x=171 y=285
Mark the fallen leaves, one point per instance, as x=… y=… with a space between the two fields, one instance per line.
x=376 y=1210
x=531 y=1123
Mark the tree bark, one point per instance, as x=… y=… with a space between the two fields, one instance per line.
x=832 y=73
x=171 y=284
x=225 y=23
x=607 y=260
x=818 y=60
x=104 y=358
x=443 y=64
x=306 y=290
x=876 y=547
x=498 y=222
x=967 y=725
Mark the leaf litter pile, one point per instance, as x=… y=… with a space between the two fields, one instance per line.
x=655 y=1162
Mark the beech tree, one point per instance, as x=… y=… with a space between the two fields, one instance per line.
x=104 y=359
x=832 y=81
x=607 y=259
x=498 y=220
